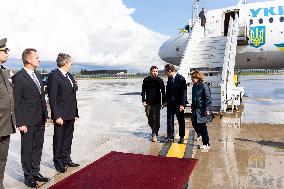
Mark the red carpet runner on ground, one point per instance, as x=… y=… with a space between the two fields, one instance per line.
x=118 y=170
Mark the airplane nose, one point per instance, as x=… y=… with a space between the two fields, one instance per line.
x=172 y=50
x=163 y=51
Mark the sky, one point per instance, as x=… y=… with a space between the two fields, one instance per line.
x=123 y=34
x=167 y=16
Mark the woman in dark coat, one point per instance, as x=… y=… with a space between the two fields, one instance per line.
x=201 y=106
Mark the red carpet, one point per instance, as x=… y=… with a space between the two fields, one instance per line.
x=130 y=171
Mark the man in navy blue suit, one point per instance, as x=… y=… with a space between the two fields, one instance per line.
x=63 y=103
x=176 y=92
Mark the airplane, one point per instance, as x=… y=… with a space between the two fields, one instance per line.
x=260 y=39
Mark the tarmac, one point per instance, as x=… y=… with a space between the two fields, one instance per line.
x=247 y=146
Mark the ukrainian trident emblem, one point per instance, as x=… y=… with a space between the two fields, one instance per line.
x=257 y=36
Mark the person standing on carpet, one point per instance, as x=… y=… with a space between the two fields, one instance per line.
x=63 y=104
x=31 y=116
x=176 y=92
x=201 y=107
x=152 y=89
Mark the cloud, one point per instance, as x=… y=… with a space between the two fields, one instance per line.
x=98 y=32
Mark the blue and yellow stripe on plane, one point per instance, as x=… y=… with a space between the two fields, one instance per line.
x=280 y=46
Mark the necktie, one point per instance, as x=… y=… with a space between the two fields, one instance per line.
x=66 y=75
x=36 y=82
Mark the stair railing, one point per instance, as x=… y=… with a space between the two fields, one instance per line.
x=194 y=38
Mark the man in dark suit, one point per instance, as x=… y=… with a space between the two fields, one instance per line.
x=176 y=92
x=63 y=103
x=7 y=116
x=31 y=115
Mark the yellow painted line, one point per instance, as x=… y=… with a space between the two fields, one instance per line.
x=177 y=150
x=281 y=147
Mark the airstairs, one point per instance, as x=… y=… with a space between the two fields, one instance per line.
x=215 y=57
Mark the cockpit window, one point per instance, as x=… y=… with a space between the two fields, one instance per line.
x=261 y=21
x=270 y=20
x=282 y=19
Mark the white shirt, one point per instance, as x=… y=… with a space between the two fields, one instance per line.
x=64 y=73
x=31 y=72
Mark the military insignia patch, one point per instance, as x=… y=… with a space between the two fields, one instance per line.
x=257 y=36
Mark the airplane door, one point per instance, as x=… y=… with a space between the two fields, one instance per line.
x=228 y=15
x=178 y=51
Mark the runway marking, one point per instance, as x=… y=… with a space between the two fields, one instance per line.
x=178 y=150
x=190 y=145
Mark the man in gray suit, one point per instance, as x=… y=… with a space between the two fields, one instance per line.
x=7 y=116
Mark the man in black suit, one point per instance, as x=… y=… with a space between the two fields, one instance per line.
x=63 y=103
x=176 y=92
x=31 y=115
x=7 y=115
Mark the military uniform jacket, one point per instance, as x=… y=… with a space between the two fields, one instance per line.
x=7 y=115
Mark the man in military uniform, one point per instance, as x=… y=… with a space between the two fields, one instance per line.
x=7 y=116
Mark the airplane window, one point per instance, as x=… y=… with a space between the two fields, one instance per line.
x=282 y=19
x=251 y=22
x=270 y=20
x=261 y=21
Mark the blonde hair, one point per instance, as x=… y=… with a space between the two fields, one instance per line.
x=198 y=75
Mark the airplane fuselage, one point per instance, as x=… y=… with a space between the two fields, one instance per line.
x=261 y=27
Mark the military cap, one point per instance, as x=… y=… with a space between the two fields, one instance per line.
x=3 y=43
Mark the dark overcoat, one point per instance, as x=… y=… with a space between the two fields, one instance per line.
x=201 y=103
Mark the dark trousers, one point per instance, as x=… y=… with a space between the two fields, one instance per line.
x=201 y=129
x=62 y=142
x=153 y=115
x=31 y=150
x=4 y=147
x=171 y=112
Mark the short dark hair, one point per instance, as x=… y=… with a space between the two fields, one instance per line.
x=170 y=67
x=26 y=53
x=153 y=67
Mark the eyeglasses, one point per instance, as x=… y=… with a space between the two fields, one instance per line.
x=6 y=50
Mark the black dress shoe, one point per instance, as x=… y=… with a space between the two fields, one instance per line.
x=60 y=169
x=41 y=178
x=30 y=183
x=181 y=140
x=72 y=164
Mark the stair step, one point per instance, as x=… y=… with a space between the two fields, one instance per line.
x=208 y=64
